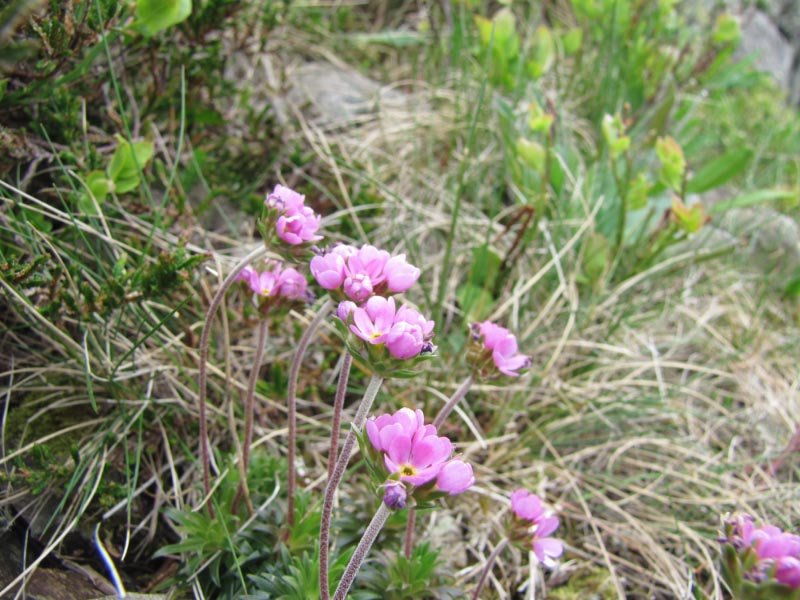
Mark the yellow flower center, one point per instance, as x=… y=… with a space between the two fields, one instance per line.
x=407 y=470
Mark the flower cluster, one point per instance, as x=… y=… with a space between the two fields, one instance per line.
x=404 y=331
x=495 y=349
x=286 y=283
x=418 y=460
x=296 y=223
x=767 y=552
x=360 y=273
x=533 y=525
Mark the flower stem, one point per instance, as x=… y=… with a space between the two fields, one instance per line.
x=202 y=376
x=454 y=400
x=335 y=479
x=249 y=414
x=291 y=400
x=408 y=542
x=338 y=404
x=488 y=568
x=373 y=529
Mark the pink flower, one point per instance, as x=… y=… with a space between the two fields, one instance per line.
x=247 y=275
x=266 y=283
x=358 y=287
x=297 y=223
x=345 y=309
x=409 y=333
x=395 y=495
x=787 y=571
x=400 y=275
x=525 y=505
x=373 y=322
x=540 y=524
x=503 y=347
x=455 y=477
x=363 y=272
x=328 y=270
x=292 y=285
x=412 y=450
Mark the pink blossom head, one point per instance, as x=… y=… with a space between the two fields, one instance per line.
x=328 y=270
x=409 y=333
x=369 y=260
x=358 y=287
x=248 y=275
x=373 y=322
x=455 y=477
x=787 y=571
x=500 y=345
x=345 y=309
x=415 y=455
x=292 y=285
x=297 y=223
x=399 y=274
x=285 y=199
x=266 y=283
x=535 y=526
x=527 y=506
x=411 y=450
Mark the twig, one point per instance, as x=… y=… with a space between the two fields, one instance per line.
x=373 y=529
x=291 y=399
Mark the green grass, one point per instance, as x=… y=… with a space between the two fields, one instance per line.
x=663 y=382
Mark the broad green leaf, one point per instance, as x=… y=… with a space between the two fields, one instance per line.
x=751 y=198
x=157 y=15
x=572 y=41
x=37 y=220
x=544 y=52
x=99 y=185
x=126 y=162
x=720 y=170
x=532 y=154
x=475 y=301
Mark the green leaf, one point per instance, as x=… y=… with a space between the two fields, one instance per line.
x=157 y=15
x=751 y=198
x=673 y=164
x=476 y=302
x=544 y=52
x=572 y=40
x=126 y=163
x=532 y=154
x=720 y=170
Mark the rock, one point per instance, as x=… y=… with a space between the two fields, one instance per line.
x=339 y=95
x=775 y=54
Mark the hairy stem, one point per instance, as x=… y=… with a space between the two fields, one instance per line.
x=335 y=479
x=291 y=399
x=454 y=400
x=408 y=542
x=373 y=529
x=249 y=414
x=202 y=376
x=338 y=404
x=488 y=568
